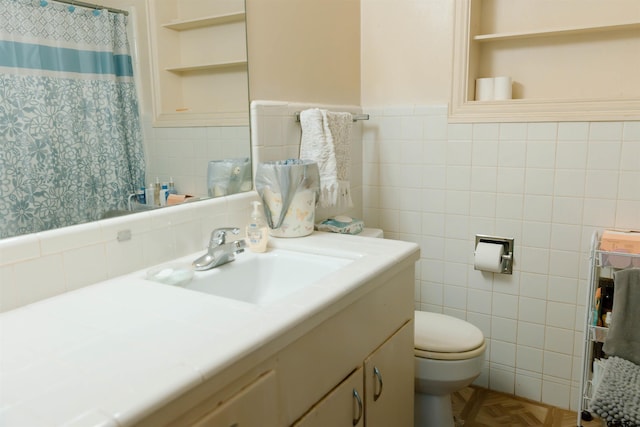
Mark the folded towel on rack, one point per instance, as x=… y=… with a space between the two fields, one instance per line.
x=616 y=398
x=326 y=139
x=623 y=338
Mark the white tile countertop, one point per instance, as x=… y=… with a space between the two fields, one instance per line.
x=112 y=353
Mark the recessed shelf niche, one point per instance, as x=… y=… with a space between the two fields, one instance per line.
x=568 y=60
x=199 y=63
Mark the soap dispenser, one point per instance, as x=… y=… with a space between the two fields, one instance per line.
x=257 y=230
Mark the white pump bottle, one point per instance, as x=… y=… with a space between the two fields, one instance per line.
x=257 y=230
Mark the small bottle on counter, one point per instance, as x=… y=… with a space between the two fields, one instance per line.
x=164 y=194
x=140 y=195
x=172 y=187
x=150 y=194
x=257 y=230
x=156 y=192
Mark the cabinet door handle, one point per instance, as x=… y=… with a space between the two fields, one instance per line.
x=378 y=376
x=356 y=395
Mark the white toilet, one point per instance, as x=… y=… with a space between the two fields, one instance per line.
x=449 y=354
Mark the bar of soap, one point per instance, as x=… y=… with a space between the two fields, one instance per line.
x=171 y=274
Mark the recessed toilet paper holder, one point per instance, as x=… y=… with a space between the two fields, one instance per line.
x=507 y=256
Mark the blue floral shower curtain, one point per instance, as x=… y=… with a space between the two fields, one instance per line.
x=70 y=135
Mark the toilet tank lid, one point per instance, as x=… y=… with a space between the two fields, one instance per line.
x=445 y=334
x=372 y=232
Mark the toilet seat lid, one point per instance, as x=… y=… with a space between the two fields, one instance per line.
x=435 y=332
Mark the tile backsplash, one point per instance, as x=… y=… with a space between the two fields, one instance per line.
x=547 y=185
x=46 y=264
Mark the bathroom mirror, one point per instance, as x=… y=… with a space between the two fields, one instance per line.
x=181 y=150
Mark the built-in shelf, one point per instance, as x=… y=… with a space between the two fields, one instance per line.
x=199 y=65
x=556 y=32
x=207 y=21
x=573 y=60
x=204 y=67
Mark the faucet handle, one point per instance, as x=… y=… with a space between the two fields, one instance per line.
x=219 y=235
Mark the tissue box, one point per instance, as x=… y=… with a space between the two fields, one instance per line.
x=343 y=225
x=620 y=241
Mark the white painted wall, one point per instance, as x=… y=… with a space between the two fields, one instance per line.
x=407 y=49
x=304 y=51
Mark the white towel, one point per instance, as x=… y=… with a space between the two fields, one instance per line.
x=326 y=139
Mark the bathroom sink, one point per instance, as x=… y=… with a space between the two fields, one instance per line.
x=262 y=278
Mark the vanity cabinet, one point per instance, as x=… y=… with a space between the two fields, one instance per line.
x=198 y=62
x=317 y=363
x=342 y=407
x=389 y=384
x=376 y=393
x=568 y=60
x=253 y=405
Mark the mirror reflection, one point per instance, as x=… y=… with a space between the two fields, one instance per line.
x=96 y=132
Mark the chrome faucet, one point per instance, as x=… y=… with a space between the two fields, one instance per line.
x=220 y=252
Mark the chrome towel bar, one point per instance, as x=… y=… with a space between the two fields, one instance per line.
x=356 y=117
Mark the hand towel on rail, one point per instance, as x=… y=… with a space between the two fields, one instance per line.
x=623 y=338
x=326 y=139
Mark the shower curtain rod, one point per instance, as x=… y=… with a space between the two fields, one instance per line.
x=92 y=6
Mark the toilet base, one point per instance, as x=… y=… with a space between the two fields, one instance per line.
x=432 y=411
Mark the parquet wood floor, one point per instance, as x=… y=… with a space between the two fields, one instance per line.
x=478 y=407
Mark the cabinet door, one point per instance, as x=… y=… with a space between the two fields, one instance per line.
x=342 y=407
x=256 y=405
x=388 y=381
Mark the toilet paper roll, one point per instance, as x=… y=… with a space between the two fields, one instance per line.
x=502 y=88
x=488 y=257
x=484 y=89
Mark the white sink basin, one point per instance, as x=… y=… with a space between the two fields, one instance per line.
x=265 y=277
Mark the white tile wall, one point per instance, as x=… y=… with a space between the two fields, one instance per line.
x=46 y=264
x=548 y=185
x=184 y=153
